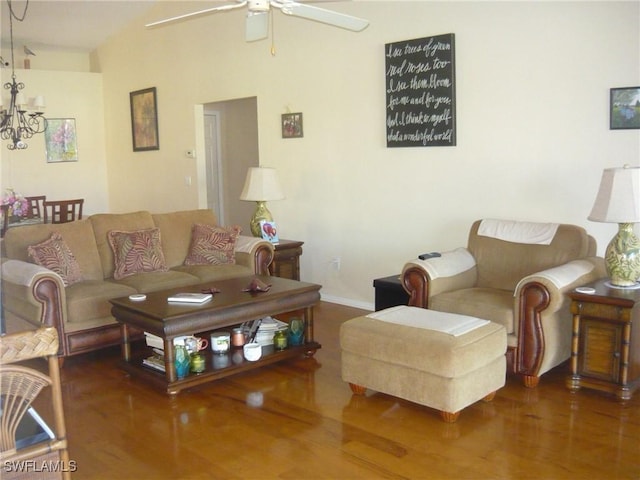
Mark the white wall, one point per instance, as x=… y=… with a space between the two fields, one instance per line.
x=75 y=95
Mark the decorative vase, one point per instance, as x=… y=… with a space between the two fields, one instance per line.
x=182 y=361
x=296 y=332
x=622 y=257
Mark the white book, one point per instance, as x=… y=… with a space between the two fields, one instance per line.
x=190 y=298
x=154 y=341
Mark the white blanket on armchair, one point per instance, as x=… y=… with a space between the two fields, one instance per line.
x=518 y=232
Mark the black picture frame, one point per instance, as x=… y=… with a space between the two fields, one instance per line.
x=144 y=120
x=420 y=89
x=624 y=108
x=292 y=125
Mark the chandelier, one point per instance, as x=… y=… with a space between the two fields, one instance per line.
x=18 y=124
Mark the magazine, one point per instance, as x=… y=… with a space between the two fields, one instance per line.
x=190 y=298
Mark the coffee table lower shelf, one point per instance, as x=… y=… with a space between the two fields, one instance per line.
x=217 y=366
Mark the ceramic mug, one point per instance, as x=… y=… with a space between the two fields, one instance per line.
x=192 y=343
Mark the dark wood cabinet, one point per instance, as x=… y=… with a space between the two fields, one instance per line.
x=286 y=259
x=605 y=348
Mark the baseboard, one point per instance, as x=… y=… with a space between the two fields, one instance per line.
x=347 y=302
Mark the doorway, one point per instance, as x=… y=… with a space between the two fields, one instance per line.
x=227 y=145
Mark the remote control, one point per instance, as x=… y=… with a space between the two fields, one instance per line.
x=425 y=256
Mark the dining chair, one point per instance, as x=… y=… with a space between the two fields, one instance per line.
x=5 y=219
x=21 y=384
x=62 y=211
x=36 y=205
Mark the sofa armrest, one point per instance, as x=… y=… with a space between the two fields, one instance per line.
x=255 y=253
x=541 y=305
x=33 y=295
x=453 y=270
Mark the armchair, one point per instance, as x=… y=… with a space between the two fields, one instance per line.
x=515 y=274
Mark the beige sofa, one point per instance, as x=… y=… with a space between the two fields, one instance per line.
x=81 y=311
x=515 y=274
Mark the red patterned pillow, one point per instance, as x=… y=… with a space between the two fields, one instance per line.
x=55 y=255
x=136 y=252
x=212 y=245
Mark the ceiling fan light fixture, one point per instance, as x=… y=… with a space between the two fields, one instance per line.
x=257 y=26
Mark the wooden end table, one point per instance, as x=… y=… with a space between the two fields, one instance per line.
x=286 y=259
x=228 y=308
x=605 y=346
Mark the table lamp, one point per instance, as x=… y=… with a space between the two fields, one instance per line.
x=260 y=186
x=618 y=201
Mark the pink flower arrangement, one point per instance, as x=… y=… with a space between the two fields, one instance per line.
x=18 y=205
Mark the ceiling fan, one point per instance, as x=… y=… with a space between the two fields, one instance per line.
x=257 y=23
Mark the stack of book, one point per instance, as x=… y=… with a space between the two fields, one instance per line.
x=155 y=361
x=268 y=327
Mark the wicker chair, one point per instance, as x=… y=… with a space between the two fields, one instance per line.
x=20 y=385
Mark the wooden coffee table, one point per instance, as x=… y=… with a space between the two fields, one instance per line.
x=230 y=307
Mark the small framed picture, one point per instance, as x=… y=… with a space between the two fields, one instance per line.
x=292 y=125
x=624 y=110
x=269 y=231
x=144 y=120
x=61 y=140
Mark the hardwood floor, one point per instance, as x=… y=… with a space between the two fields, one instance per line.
x=299 y=420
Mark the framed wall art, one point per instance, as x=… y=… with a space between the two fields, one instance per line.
x=144 y=120
x=421 y=92
x=292 y=125
x=624 y=108
x=61 y=140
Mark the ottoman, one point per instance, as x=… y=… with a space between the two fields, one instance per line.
x=442 y=360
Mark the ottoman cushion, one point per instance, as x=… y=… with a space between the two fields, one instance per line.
x=422 y=349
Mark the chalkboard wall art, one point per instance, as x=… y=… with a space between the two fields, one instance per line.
x=421 y=94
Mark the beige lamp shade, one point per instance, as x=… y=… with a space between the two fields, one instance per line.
x=261 y=184
x=618 y=200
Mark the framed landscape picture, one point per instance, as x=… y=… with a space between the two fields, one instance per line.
x=144 y=120
x=61 y=140
x=624 y=108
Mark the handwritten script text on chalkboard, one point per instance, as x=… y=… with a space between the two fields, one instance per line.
x=420 y=86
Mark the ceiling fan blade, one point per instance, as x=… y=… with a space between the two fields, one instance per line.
x=195 y=14
x=322 y=15
x=257 y=27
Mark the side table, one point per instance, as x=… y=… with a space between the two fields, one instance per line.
x=389 y=292
x=286 y=259
x=605 y=346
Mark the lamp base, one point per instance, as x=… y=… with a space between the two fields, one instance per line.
x=261 y=213
x=622 y=257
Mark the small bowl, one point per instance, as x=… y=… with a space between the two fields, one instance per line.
x=252 y=351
